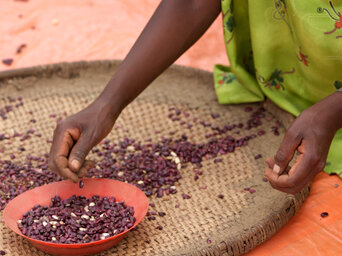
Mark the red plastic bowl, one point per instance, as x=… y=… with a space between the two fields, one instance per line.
x=130 y=194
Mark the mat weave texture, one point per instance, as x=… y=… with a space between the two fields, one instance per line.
x=234 y=225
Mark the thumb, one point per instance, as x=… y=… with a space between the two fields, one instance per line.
x=78 y=153
x=286 y=152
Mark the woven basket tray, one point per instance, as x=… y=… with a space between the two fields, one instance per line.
x=234 y=225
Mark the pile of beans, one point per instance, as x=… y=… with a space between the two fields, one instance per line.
x=77 y=220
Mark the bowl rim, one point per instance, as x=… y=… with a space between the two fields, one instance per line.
x=75 y=245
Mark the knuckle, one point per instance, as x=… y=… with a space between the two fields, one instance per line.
x=60 y=127
x=280 y=157
x=291 y=133
x=80 y=154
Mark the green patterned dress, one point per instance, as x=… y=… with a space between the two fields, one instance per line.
x=289 y=51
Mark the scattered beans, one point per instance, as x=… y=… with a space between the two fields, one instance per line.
x=264 y=179
x=9 y=108
x=220 y=196
x=185 y=196
x=81 y=184
x=30 y=131
x=25 y=137
x=161 y=214
x=262 y=132
x=252 y=190
x=198 y=172
x=258 y=156
x=214 y=115
x=324 y=214
x=275 y=128
x=218 y=160
x=159 y=227
x=20 y=48
x=2 y=252
x=208 y=241
x=7 y=62
x=77 y=220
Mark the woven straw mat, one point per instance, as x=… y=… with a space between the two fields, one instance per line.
x=234 y=225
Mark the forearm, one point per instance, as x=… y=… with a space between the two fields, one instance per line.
x=336 y=104
x=175 y=26
x=329 y=111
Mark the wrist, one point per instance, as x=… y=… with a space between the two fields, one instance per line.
x=105 y=106
x=112 y=99
x=333 y=109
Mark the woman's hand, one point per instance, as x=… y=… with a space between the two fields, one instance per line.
x=75 y=136
x=311 y=135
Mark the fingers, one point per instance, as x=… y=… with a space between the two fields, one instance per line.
x=79 y=152
x=85 y=168
x=64 y=171
x=63 y=141
x=307 y=165
x=270 y=162
x=286 y=151
x=293 y=190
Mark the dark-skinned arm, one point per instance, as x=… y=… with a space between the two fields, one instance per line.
x=174 y=27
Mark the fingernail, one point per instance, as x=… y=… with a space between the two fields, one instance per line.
x=75 y=164
x=276 y=168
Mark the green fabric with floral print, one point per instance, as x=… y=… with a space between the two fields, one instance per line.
x=287 y=51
